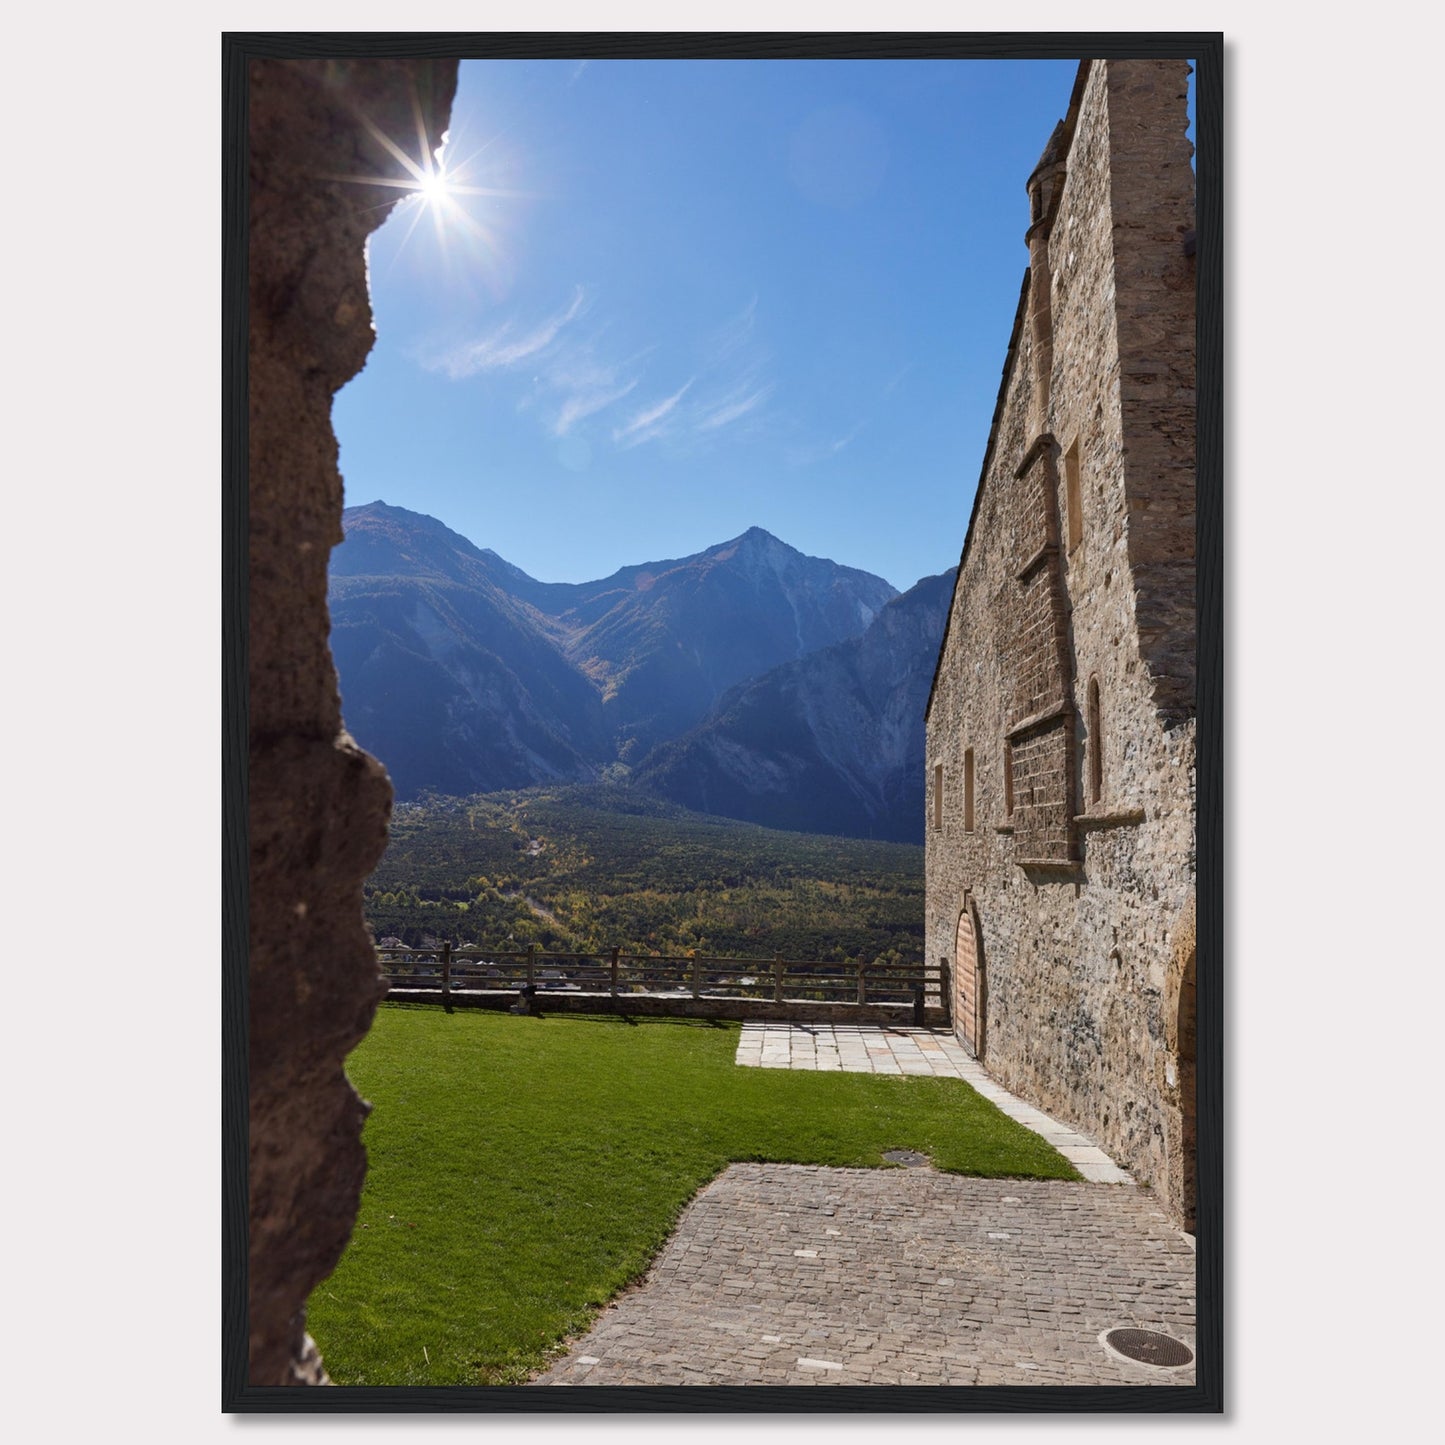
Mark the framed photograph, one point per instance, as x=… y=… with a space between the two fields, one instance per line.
x=723 y=754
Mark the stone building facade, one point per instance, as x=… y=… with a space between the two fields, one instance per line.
x=1060 y=728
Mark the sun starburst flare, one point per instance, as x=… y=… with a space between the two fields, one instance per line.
x=444 y=193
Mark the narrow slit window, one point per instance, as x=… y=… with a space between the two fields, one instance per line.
x=1008 y=779
x=938 y=795
x=968 y=791
x=1095 y=743
x=1073 y=497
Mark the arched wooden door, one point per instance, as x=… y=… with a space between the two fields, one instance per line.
x=968 y=981
x=1187 y=1105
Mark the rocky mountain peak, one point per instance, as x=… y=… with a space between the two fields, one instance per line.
x=464 y=674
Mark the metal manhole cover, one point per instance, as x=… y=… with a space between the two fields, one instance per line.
x=1149 y=1347
x=907 y=1157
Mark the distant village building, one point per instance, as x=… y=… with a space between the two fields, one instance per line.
x=1061 y=725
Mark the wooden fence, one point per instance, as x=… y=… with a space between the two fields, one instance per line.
x=460 y=971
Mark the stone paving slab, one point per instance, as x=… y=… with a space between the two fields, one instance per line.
x=861 y=1048
x=799 y=1275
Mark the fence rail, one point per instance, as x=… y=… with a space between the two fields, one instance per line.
x=617 y=975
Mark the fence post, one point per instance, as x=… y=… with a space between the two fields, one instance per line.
x=862 y=985
x=777 y=978
x=696 y=965
x=616 y=950
x=532 y=964
x=447 y=976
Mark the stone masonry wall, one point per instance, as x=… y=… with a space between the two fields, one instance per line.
x=318 y=804
x=1084 y=905
x=1150 y=172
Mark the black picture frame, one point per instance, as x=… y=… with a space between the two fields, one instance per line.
x=1206 y=50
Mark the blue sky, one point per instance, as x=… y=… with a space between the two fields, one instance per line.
x=681 y=298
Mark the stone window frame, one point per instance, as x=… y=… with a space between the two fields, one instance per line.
x=1094 y=743
x=1073 y=498
x=1008 y=778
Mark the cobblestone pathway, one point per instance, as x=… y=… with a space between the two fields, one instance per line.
x=792 y=1274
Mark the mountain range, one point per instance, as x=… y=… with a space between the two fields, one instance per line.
x=747 y=680
x=830 y=743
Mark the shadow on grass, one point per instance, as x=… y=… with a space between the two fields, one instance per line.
x=543 y=1014
x=633 y=1021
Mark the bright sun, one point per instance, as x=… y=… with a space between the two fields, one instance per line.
x=433 y=186
x=439 y=192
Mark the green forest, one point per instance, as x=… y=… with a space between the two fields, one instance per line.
x=580 y=869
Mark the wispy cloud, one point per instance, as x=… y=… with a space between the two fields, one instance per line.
x=732 y=408
x=584 y=402
x=572 y=374
x=739 y=362
x=648 y=424
x=733 y=334
x=585 y=382
x=505 y=347
x=808 y=456
x=895 y=381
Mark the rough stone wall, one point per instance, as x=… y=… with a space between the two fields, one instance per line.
x=1083 y=905
x=1150 y=171
x=318 y=804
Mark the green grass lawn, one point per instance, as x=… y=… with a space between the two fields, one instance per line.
x=523 y=1170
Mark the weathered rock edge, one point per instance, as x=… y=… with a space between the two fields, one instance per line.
x=318 y=805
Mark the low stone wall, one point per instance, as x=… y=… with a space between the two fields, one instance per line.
x=655 y=1005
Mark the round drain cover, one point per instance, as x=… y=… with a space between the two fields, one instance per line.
x=907 y=1157
x=1149 y=1347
